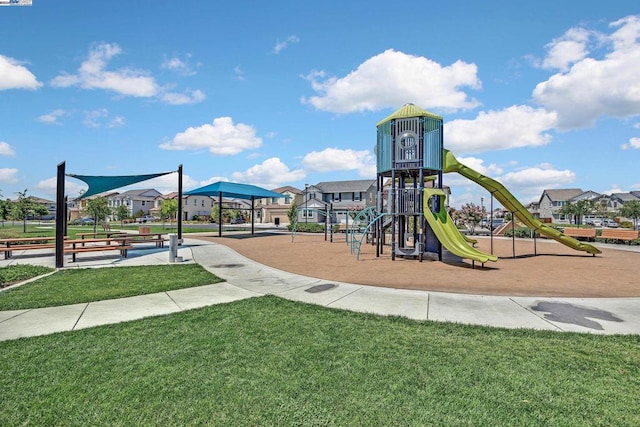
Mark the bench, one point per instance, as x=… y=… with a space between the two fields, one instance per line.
x=615 y=234
x=157 y=238
x=25 y=243
x=77 y=246
x=588 y=233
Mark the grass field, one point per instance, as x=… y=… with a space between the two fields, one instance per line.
x=268 y=361
x=95 y=284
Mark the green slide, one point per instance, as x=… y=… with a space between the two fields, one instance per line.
x=447 y=232
x=507 y=200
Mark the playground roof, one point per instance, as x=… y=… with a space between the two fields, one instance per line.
x=409 y=110
x=234 y=190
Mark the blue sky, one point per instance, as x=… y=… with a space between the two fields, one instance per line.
x=538 y=95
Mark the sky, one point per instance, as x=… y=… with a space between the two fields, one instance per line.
x=538 y=95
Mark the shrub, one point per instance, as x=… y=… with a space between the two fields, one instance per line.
x=19 y=272
x=521 y=232
x=308 y=227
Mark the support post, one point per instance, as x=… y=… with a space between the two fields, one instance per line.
x=180 y=204
x=220 y=214
x=61 y=216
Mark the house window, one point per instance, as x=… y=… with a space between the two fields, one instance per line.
x=336 y=197
x=357 y=197
x=143 y=203
x=203 y=203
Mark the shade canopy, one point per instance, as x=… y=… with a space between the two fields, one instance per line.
x=100 y=184
x=234 y=190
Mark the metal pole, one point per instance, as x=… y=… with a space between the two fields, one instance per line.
x=61 y=216
x=491 y=224
x=220 y=214
x=180 y=204
x=513 y=233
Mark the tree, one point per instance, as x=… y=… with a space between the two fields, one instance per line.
x=631 y=209
x=584 y=207
x=601 y=208
x=120 y=213
x=472 y=214
x=569 y=210
x=168 y=210
x=24 y=207
x=292 y=213
x=98 y=209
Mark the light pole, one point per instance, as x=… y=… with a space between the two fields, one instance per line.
x=306 y=186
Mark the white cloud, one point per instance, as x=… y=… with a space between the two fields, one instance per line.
x=395 y=78
x=633 y=143
x=594 y=87
x=92 y=74
x=179 y=66
x=16 y=76
x=567 y=50
x=222 y=137
x=270 y=174
x=211 y=181
x=9 y=175
x=100 y=118
x=478 y=165
x=238 y=72
x=189 y=97
x=52 y=118
x=72 y=187
x=336 y=159
x=6 y=150
x=516 y=126
x=282 y=45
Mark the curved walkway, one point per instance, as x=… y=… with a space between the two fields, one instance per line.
x=246 y=278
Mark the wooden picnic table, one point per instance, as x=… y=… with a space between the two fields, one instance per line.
x=26 y=243
x=157 y=238
x=123 y=244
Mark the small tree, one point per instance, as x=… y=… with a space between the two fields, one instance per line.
x=631 y=209
x=584 y=207
x=24 y=207
x=570 y=210
x=292 y=213
x=215 y=214
x=169 y=210
x=98 y=209
x=120 y=213
x=472 y=215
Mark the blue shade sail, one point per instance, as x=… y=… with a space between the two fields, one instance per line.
x=234 y=190
x=100 y=184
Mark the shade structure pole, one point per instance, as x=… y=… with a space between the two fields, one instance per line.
x=220 y=214
x=253 y=199
x=61 y=216
x=180 y=204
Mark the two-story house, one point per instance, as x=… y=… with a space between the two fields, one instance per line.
x=275 y=210
x=341 y=197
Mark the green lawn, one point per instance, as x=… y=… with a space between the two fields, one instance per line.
x=268 y=361
x=95 y=284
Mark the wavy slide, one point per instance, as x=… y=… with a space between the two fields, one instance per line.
x=447 y=232
x=507 y=200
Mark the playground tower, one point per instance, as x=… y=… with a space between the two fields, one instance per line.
x=409 y=158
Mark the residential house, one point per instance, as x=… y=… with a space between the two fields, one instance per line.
x=341 y=197
x=138 y=202
x=275 y=210
x=552 y=201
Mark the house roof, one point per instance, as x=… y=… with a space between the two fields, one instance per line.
x=288 y=188
x=625 y=197
x=140 y=193
x=561 y=195
x=361 y=185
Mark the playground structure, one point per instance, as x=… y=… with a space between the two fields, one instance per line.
x=411 y=208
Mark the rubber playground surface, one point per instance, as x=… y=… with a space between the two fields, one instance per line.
x=556 y=270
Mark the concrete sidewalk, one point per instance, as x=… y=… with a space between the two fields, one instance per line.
x=246 y=278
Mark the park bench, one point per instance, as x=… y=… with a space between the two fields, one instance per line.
x=616 y=234
x=8 y=246
x=157 y=238
x=73 y=247
x=588 y=233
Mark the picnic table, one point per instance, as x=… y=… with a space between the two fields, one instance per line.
x=76 y=246
x=26 y=243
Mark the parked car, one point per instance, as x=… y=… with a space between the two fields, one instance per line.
x=237 y=221
x=146 y=218
x=610 y=223
x=595 y=222
x=87 y=220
